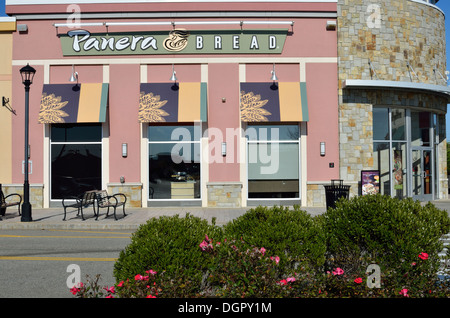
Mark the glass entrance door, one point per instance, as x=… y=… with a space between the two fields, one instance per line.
x=422 y=173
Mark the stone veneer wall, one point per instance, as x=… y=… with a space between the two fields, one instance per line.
x=36 y=193
x=224 y=194
x=133 y=192
x=408 y=32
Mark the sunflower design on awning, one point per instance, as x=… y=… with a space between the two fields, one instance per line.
x=172 y=102
x=273 y=102
x=50 y=111
x=68 y=103
x=150 y=108
x=252 y=107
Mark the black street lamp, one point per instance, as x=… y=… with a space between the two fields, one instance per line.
x=27 y=73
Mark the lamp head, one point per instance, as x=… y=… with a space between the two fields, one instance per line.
x=27 y=72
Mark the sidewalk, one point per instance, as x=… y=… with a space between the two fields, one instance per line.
x=52 y=218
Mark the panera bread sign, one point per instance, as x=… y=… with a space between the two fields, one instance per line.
x=177 y=41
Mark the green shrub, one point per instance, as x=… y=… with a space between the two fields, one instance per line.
x=166 y=244
x=384 y=230
x=322 y=256
x=291 y=234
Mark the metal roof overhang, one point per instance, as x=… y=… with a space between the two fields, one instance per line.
x=406 y=86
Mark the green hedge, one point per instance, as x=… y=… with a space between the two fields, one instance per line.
x=293 y=235
x=364 y=230
x=169 y=244
x=388 y=231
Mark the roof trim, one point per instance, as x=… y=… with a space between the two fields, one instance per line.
x=40 y=2
x=379 y=84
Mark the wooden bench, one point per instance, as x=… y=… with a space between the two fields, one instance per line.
x=87 y=199
x=107 y=201
x=4 y=203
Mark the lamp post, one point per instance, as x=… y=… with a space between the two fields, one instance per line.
x=27 y=73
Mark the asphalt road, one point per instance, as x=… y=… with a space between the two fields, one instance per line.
x=42 y=263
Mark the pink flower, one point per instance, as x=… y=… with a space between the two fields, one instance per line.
x=358 y=280
x=404 y=292
x=203 y=245
x=120 y=284
x=338 y=271
x=413 y=264
x=276 y=259
x=151 y=296
x=110 y=289
x=282 y=282
x=290 y=279
x=76 y=288
x=423 y=256
x=262 y=250
x=206 y=244
x=152 y=272
x=140 y=277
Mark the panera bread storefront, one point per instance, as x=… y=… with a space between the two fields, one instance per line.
x=214 y=104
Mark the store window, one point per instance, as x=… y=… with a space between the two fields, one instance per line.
x=273 y=161
x=404 y=152
x=390 y=150
x=174 y=162
x=76 y=159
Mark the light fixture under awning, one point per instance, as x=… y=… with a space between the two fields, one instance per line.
x=69 y=103
x=274 y=102
x=169 y=102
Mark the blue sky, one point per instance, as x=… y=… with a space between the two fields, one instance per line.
x=443 y=4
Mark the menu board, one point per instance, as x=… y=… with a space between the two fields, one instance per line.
x=370 y=182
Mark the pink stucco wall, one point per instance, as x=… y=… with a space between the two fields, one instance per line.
x=308 y=39
x=36 y=130
x=60 y=74
x=223 y=83
x=322 y=88
x=123 y=122
x=181 y=6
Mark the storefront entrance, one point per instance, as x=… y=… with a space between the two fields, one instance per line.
x=405 y=152
x=422 y=173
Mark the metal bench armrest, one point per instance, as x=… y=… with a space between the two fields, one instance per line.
x=14 y=194
x=120 y=195
x=78 y=200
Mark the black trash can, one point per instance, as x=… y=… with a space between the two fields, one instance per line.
x=335 y=191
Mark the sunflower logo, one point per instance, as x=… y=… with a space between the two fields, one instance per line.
x=50 y=111
x=150 y=108
x=252 y=107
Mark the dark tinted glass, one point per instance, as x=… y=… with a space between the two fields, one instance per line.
x=75 y=169
x=76 y=132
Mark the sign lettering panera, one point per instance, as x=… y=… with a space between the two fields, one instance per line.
x=177 y=41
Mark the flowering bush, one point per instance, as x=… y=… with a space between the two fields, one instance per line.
x=169 y=245
x=239 y=270
x=294 y=235
x=173 y=257
x=92 y=289
x=383 y=230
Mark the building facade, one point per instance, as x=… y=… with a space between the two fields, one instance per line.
x=218 y=104
x=228 y=103
x=7 y=27
x=393 y=96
